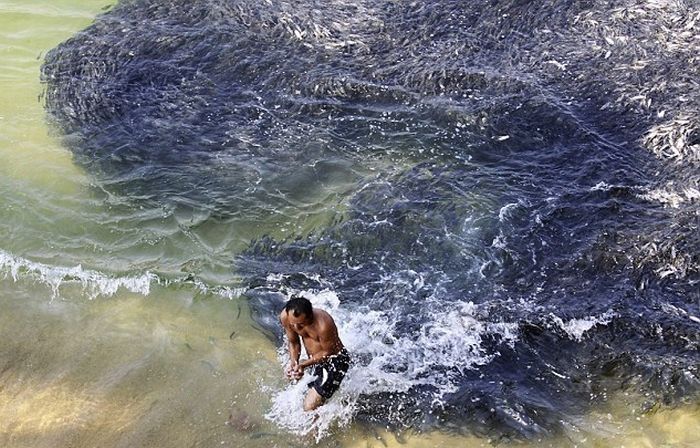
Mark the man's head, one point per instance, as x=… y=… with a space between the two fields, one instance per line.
x=299 y=312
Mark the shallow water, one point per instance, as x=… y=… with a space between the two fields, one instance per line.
x=137 y=304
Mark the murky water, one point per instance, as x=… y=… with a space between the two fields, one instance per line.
x=507 y=271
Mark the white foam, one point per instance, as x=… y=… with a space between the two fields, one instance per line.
x=507 y=210
x=325 y=299
x=287 y=410
x=92 y=282
x=576 y=328
x=604 y=186
x=601 y=186
x=223 y=291
x=499 y=242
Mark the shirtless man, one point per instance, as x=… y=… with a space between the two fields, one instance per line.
x=323 y=346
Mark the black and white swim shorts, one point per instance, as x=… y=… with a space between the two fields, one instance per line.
x=330 y=373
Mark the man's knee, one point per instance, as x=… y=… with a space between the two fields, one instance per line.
x=312 y=400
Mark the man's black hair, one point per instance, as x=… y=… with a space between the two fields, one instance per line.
x=299 y=305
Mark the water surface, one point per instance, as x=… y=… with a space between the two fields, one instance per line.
x=487 y=203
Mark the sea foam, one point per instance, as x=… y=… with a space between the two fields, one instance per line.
x=576 y=328
x=93 y=283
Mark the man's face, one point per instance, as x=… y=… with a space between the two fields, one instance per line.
x=299 y=322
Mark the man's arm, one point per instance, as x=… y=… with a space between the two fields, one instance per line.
x=294 y=343
x=316 y=358
x=329 y=342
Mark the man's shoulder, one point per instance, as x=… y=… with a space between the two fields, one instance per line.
x=326 y=320
x=283 y=316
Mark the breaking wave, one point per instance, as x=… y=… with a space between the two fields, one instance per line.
x=95 y=283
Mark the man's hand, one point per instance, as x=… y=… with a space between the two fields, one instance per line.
x=294 y=372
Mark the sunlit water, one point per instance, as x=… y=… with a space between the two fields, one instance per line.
x=483 y=303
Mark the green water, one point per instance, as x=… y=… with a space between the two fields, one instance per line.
x=151 y=364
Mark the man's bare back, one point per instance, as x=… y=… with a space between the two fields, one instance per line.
x=326 y=352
